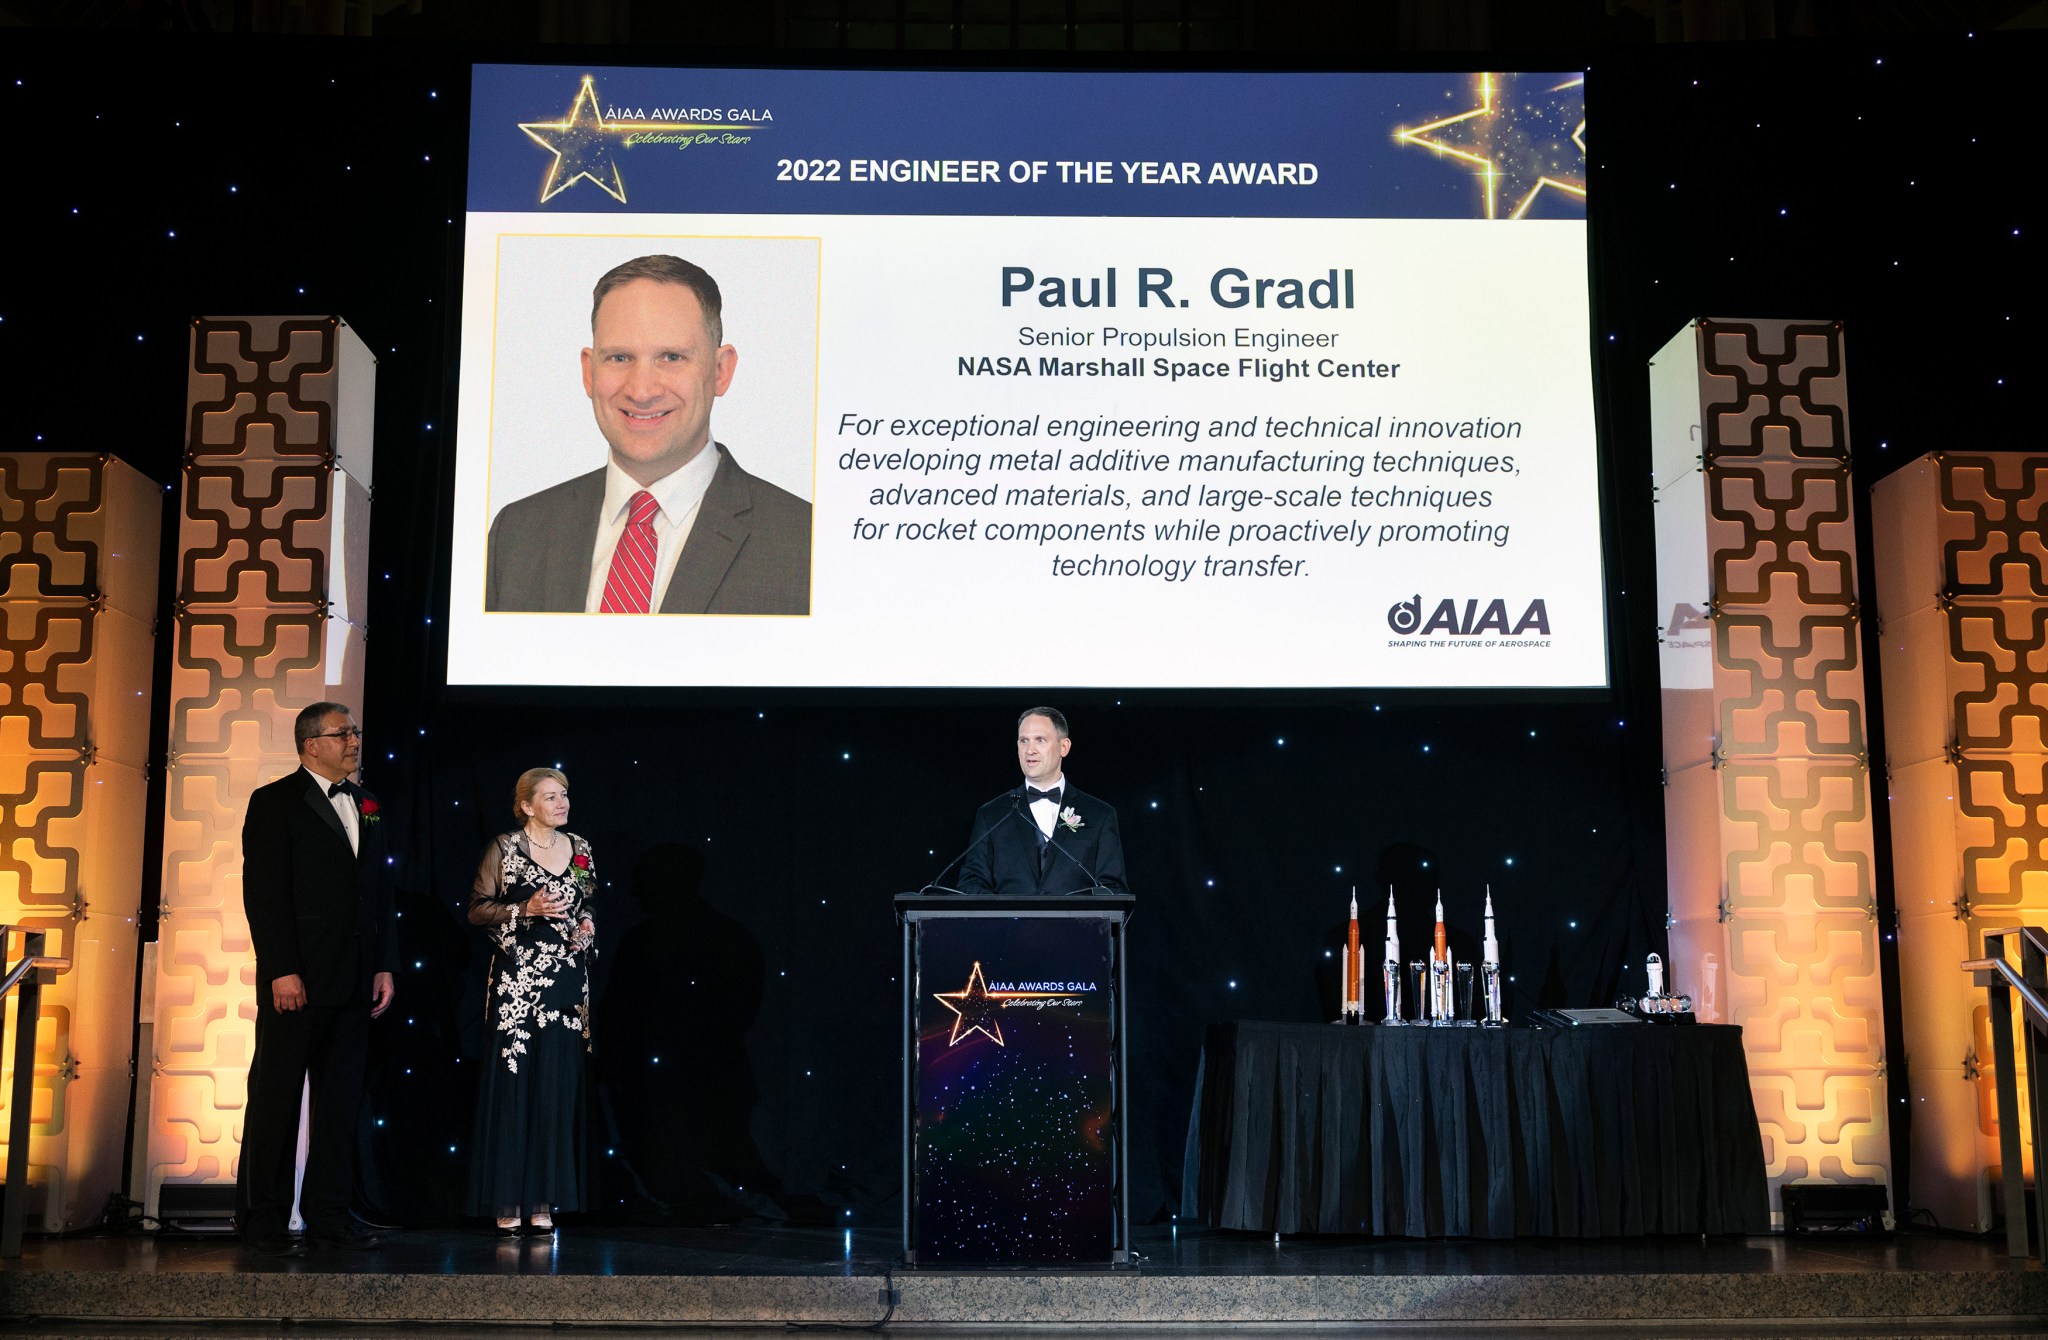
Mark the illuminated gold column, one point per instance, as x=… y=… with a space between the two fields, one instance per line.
x=1962 y=588
x=273 y=535
x=1767 y=803
x=78 y=593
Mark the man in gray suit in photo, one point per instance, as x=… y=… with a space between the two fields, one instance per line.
x=671 y=524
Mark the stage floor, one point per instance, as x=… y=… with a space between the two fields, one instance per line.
x=1189 y=1282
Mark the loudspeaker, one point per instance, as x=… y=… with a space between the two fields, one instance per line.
x=1821 y=1208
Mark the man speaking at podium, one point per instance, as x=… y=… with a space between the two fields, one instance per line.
x=1047 y=836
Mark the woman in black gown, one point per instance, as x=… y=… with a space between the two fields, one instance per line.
x=533 y=895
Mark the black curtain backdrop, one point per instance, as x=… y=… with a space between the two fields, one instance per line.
x=748 y=843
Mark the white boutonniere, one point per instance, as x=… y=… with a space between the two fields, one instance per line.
x=1071 y=817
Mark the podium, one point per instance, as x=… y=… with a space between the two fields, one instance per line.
x=1015 y=1123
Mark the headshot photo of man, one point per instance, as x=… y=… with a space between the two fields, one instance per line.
x=670 y=523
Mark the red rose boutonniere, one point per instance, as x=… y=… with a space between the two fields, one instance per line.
x=580 y=865
x=369 y=809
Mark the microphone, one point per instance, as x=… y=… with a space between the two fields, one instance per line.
x=1052 y=840
x=975 y=841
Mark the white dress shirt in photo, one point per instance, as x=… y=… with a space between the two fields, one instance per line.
x=679 y=494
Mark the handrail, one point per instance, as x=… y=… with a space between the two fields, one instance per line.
x=35 y=969
x=2002 y=982
x=2032 y=1001
x=40 y=963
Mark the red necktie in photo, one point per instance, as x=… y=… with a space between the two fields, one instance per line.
x=630 y=585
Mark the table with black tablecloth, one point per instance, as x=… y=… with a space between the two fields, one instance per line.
x=1598 y=1131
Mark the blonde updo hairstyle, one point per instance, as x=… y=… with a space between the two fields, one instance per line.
x=529 y=782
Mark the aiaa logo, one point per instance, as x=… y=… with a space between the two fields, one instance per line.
x=1685 y=618
x=1451 y=619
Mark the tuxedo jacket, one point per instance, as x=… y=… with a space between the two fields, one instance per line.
x=749 y=551
x=315 y=908
x=1004 y=855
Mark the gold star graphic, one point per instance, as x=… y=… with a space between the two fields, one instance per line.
x=582 y=144
x=1521 y=144
x=976 y=1010
x=978 y=1005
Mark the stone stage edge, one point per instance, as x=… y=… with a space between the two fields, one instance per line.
x=464 y=1280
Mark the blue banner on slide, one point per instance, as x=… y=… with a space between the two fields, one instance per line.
x=665 y=141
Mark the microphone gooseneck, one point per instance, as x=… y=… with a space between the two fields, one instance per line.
x=934 y=886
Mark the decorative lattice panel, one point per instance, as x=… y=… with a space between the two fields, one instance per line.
x=1962 y=570
x=272 y=568
x=1773 y=908
x=78 y=594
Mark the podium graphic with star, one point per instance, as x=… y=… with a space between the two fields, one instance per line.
x=1012 y=1077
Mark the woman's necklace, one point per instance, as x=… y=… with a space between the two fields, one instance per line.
x=543 y=846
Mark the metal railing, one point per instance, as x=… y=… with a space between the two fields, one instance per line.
x=34 y=971
x=2028 y=982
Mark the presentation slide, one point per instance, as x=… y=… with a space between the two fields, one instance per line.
x=850 y=379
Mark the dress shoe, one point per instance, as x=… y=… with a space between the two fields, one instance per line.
x=274 y=1244
x=349 y=1239
x=536 y=1230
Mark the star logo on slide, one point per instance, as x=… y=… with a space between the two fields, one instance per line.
x=1524 y=145
x=585 y=144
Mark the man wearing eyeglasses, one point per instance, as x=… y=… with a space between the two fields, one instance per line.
x=317 y=891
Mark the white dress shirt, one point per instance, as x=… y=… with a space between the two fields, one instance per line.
x=344 y=809
x=1043 y=812
x=678 y=493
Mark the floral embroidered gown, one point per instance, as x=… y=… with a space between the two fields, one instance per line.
x=527 y=1150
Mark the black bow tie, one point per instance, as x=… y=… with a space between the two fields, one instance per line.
x=341 y=788
x=1032 y=797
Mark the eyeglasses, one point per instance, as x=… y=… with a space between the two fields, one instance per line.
x=345 y=733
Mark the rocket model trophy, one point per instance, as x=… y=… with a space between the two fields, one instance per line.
x=1390 y=966
x=1659 y=1006
x=1350 y=994
x=1442 y=1006
x=1489 y=970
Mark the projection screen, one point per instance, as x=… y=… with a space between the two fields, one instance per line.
x=1099 y=380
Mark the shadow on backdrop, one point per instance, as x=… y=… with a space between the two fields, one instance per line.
x=675 y=1085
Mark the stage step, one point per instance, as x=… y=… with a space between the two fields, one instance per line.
x=314 y=1295
x=770 y=1277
